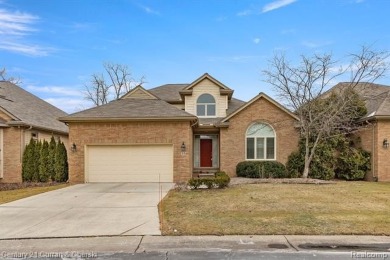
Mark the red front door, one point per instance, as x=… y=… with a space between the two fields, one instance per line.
x=206 y=153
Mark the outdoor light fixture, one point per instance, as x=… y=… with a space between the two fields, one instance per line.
x=385 y=143
x=73 y=147
x=183 y=147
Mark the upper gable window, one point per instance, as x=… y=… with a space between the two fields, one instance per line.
x=205 y=105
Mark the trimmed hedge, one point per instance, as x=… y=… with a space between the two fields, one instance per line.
x=220 y=181
x=261 y=169
x=44 y=161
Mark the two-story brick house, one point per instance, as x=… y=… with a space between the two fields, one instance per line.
x=171 y=132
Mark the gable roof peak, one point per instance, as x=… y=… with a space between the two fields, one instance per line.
x=266 y=97
x=139 y=93
x=209 y=77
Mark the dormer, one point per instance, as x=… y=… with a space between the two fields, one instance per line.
x=206 y=97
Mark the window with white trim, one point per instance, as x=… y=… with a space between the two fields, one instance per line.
x=260 y=142
x=205 y=106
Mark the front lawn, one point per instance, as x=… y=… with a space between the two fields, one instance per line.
x=10 y=193
x=296 y=209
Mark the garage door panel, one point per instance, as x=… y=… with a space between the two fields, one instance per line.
x=143 y=163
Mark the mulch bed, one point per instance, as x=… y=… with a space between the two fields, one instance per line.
x=240 y=180
x=15 y=186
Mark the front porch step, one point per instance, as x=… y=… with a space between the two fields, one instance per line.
x=204 y=173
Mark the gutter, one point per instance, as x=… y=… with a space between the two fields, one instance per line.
x=20 y=123
x=89 y=119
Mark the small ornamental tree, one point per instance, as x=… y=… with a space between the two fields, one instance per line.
x=52 y=158
x=36 y=160
x=61 y=163
x=44 y=162
x=28 y=161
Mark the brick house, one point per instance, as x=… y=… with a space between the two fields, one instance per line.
x=24 y=116
x=172 y=132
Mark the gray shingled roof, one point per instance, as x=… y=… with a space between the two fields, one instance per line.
x=376 y=96
x=233 y=105
x=29 y=109
x=168 y=92
x=130 y=108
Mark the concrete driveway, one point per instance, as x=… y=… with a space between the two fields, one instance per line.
x=98 y=209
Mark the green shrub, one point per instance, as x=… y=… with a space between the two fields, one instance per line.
x=221 y=180
x=44 y=175
x=52 y=148
x=334 y=157
x=295 y=164
x=353 y=164
x=194 y=183
x=261 y=169
x=61 y=163
x=28 y=161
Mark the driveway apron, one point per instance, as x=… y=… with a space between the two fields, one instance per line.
x=93 y=209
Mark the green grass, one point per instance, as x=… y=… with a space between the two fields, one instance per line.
x=16 y=194
x=263 y=209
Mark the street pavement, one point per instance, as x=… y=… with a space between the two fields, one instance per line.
x=200 y=247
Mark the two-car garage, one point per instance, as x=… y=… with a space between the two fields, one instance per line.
x=129 y=163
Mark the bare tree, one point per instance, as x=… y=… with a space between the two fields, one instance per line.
x=4 y=77
x=120 y=81
x=302 y=88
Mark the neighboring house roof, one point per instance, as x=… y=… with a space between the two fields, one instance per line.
x=260 y=95
x=26 y=109
x=376 y=97
x=129 y=109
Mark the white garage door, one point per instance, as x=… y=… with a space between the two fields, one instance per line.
x=135 y=163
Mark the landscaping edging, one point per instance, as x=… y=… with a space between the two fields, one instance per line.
x=241 y=180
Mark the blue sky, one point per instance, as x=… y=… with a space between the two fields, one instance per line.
x=54 y=46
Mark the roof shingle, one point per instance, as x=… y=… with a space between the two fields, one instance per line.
x=28 y=109
x=129 y=108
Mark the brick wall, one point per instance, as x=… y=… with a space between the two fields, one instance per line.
x=12 y=155
x=233 y=138
x=383 y=168
x=131 y=133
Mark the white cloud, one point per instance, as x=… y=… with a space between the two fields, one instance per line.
x=149 y=10
x=69 y=105
x=276 y=5
x=316 y=44
x=245 y=13
x=237 y=58
x=15 y=27
x=16 y=23
x=26 y=49
x=57 y=90
x=256 y=40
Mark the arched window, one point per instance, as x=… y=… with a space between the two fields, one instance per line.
x=205 y=105
x=260 y=142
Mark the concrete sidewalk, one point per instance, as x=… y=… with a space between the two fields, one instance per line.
x=148 y=244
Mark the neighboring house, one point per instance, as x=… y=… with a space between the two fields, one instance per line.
x=375 y=134
x=176 y=131
x=24 y=116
